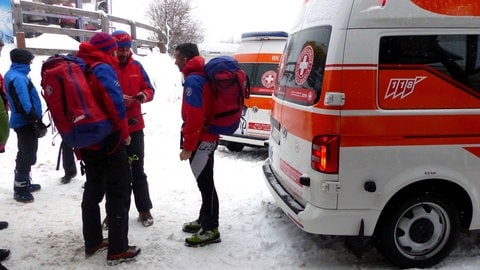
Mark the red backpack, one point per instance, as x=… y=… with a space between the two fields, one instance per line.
x=230 y=87
x=79 y=119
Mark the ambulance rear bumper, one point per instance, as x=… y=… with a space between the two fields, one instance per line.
x=252 y=141
x=317 y=220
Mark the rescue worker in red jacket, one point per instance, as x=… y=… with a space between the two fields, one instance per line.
x=198 y=145
x=106 y=163
x=137 y=90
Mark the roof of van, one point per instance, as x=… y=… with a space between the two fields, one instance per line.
x=265 y=34
x=391 y=14
x=416 y=13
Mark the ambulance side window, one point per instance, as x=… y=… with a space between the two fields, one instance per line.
x=248 y=68
x=255 y=72
x=300 y=75
x=457 y=56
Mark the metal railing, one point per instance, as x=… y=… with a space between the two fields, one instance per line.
x=21 y=11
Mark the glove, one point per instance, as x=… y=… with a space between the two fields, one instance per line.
x=39 y=128
x=132 y=121
x=140 y=97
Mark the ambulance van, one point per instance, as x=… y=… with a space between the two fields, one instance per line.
x=258 y=54
x=376 y=124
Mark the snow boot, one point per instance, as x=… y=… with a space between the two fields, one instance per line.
x=4 y=254
x=203 y=237
x=145 y=218
x=90 y=251
x=33 y=187
x=3 y=225
x=67 y=178
x=21 y=188
x=128 y=255
x=192 y=226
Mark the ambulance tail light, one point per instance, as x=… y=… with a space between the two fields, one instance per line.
x=325 y=152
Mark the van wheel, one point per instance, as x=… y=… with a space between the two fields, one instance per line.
x=419 y=231
x=234 y=147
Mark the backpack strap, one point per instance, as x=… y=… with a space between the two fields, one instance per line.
x=29 y=116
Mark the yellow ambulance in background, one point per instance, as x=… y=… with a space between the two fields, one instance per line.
x=375 y=126
x=258 y=54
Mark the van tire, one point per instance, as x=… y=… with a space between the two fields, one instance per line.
x=433 y=225
x=234 y=146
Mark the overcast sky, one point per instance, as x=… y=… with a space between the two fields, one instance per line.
x=223 y=19
x=226 y=20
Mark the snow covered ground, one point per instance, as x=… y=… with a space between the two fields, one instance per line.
x=47 y=234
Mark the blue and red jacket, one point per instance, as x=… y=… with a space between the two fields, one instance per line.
x=195 y=105
x=135 y=80
x=106 y=86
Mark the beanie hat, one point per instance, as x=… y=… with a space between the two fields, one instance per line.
x=104 y=42
x=21 y=56
x=124 y=40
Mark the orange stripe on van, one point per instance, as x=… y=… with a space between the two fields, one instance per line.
x=394 y=131
x=300 y=122
x=258 y=57
x=450 y=7
x=383 y=130
x=265 y=102
x=422 y=95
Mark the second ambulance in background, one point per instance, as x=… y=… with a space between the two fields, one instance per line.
x=258 y=54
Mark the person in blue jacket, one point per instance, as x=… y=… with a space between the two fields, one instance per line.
x=25 y=120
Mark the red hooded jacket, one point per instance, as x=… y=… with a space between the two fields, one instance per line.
x=135 y=80
x=195 y=105
x=105 y=85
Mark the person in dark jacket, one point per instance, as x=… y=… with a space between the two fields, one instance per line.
x=137 y=90
x=25 y=120
x=106 y=163
x=198 y=145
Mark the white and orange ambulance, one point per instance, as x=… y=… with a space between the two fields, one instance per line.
x=258 y=54
x=376 y=124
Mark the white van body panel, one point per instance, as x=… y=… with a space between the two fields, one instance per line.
x=375 y=125
x=352 y=41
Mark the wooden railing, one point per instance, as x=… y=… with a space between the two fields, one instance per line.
x=21 y=10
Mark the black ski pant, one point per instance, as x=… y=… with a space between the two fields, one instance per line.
x=110 y=175
x=68 y=160
x=201 y=163
x=136 y=155
x=27 y=144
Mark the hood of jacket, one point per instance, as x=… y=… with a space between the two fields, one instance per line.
x=22 y=68
x=195 y=64
x=90 y=54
